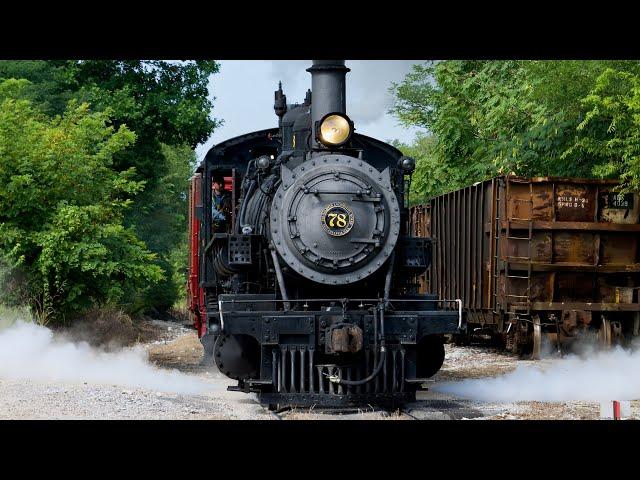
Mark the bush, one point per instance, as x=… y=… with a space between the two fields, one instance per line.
x=62 y=207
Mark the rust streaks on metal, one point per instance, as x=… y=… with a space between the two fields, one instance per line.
x=544 y=243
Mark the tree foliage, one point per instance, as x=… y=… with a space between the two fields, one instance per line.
x=164 y=229
x=167 y=105
x=610 y=131
x=62 y=205
x=487 y=118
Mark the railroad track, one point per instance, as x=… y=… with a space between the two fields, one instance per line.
x=425 y=409
x=411 y=417
x=401 y=414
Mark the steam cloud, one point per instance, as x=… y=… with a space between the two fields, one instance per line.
x=592 y=376
x=31 y=352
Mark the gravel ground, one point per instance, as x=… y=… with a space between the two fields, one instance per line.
x=177 y=348
x=481 y=362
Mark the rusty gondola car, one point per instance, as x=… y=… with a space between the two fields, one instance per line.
x=536 y=259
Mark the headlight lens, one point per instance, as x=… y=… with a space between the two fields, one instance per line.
x=334 y=130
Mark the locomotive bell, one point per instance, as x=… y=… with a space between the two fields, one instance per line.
x=407 y=164
x=263 y=162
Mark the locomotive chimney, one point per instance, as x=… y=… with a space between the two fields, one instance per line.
x=328 y=87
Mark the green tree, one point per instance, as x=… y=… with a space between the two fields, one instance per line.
x=495 y=117
x=62 y=206
x=165 y=209
x=51 y=84
x=167 y=105
x=431 y=176
x=610 y=132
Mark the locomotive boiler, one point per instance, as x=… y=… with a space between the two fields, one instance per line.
x=306 y=292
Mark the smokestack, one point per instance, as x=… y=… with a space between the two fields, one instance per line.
x=328 y=87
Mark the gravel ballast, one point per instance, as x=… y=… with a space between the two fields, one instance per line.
x=177 y=350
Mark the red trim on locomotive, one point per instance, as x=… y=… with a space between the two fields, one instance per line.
x=194 y=292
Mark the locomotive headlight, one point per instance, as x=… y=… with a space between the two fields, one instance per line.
x=334 y=130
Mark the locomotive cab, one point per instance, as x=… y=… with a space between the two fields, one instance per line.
x=311 y=297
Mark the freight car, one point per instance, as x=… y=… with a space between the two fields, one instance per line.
x=301 y=291
x=537 y=260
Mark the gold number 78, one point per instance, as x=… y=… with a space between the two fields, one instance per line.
x=337 y=219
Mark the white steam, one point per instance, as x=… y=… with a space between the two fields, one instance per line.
x=594 y=376
x=31 y=352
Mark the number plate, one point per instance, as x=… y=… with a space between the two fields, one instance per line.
x=616 y=200
x=337 y=219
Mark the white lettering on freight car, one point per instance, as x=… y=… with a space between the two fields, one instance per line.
x=571 y=202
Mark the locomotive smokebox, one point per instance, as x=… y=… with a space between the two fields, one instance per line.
x=328 y=87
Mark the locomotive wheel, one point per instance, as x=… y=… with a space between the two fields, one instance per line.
x=537 y=339
x=605 y=334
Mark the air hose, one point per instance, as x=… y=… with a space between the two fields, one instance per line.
x=383 y=350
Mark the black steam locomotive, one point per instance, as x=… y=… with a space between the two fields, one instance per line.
x=307 y=292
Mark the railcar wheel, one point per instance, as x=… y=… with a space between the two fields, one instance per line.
x=605 y=333
x=537 y=339
x=462 y=339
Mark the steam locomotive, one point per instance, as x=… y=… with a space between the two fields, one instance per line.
x=307 y=293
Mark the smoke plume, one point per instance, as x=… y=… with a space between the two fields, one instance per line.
x=589 y=376
x=32 y=352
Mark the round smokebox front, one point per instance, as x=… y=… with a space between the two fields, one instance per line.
x=335 y=219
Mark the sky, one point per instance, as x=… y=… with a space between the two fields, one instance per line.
x=243 y=91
